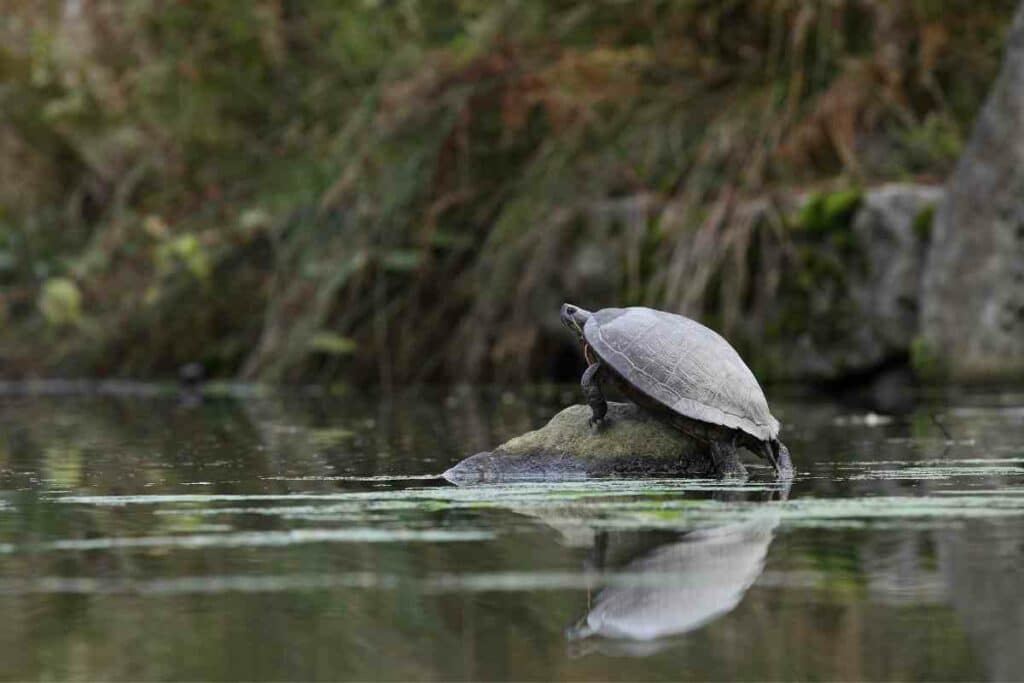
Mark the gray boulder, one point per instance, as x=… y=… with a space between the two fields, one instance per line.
x=629 y=442
x=894 y=245
x=870 y=315
x=973 y=303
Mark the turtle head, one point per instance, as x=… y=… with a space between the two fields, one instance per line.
x=575 y=318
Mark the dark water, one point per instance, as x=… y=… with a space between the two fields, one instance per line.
x=299 y=537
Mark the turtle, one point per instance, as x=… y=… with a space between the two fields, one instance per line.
x=682 y=372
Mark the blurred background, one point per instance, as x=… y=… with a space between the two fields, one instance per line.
x=402 y=191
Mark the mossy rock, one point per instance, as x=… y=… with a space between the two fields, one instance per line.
x=629 y=442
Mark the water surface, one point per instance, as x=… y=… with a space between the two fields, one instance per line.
x=302 y=535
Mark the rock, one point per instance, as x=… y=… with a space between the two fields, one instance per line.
x=894 y=245
x=871 y=317
x=973 y=299
x=629 y=442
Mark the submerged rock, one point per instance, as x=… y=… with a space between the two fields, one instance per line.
x=628 y=442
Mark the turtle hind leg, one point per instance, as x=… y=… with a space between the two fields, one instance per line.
x=782 y=462
x=726 y=459
x=591 y=383
x=775 y=452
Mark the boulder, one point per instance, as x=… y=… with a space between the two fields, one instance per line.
x=891 y=228
x=973 y=298
x=863 y=314
x=628 y=442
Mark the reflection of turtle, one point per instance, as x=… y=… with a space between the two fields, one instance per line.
x=686 y=373
x=680 y=586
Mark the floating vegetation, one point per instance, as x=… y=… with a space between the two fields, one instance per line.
x=672 y=504
x=948 y=463
x=251 y=539
x=439 y=583
x=491 y=493
x=817 y=512
x=923 y=472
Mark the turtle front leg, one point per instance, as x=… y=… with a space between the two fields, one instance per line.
x=726 y=459
x=591 y=384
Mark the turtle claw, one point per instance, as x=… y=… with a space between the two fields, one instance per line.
x=595 y=423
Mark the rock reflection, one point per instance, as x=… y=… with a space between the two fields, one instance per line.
x=675 y=587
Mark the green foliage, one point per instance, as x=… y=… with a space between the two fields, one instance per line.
x=332 y=344
x=183 y=251
x=60 y=302
x=934 y=145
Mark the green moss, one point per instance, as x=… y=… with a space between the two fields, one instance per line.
x=811 y=216
x=923 y=359
x=628 y=432
x=923 y=223
x=829 y=213
x=839 y=207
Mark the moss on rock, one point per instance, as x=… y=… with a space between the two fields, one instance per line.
x=627 y=431
x=924 y=361
x=829 y=213
x=923 y=223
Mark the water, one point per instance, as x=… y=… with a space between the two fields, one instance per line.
x=304 y=536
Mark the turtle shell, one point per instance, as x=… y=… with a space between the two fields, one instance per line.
x=682 y=365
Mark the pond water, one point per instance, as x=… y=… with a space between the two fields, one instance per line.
x=253 y=535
